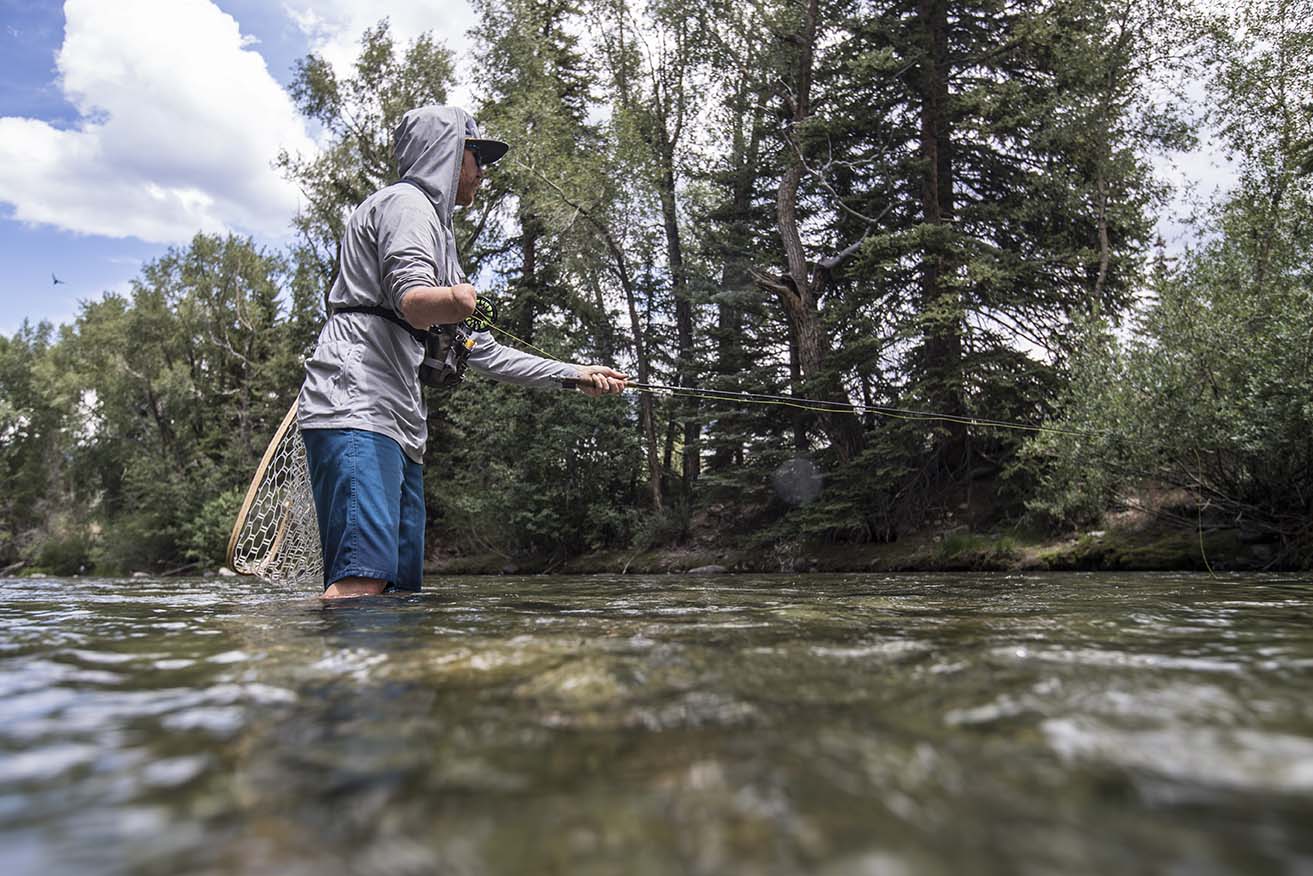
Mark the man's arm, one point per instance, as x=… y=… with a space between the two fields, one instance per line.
x=410 y=248
x=425 y=306
x=510 y=365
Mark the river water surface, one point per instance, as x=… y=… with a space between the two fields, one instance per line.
x=908 y=724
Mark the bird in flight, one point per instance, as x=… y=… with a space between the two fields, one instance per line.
x=56 y=281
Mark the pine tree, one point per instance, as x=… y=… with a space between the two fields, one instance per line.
x=997 y=154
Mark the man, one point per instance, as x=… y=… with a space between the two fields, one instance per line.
x=361 y=410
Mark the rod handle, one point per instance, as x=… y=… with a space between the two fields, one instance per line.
x=569 y=383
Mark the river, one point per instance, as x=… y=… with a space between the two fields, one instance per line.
x=829 y=724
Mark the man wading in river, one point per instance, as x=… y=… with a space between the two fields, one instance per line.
x=361 y=410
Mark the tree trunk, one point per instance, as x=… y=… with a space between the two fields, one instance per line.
x=800 y=442
x=531 y=230
x=687 y=409
x=729 y=364
x=801 y=290
x=620 y=266
x=667 y=458
x=940 y=302
x=646 y=417
x=1105 y=245
x=735 y=272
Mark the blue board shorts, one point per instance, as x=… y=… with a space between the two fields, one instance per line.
x=369 y=499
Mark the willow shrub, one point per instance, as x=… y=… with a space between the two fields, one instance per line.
x=1212 y=393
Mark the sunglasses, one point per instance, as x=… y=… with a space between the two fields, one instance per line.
x=478 y=159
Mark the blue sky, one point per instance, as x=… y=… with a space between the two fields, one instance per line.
x=88 y=264
x=126 y=126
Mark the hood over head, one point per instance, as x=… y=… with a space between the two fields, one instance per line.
x=429 y=146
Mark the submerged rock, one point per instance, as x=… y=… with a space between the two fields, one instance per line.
x=225 y=572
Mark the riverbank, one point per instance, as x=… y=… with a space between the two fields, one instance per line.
x=1136 y=548
x=954 y=550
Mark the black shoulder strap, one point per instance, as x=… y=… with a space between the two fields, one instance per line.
x=386 y=313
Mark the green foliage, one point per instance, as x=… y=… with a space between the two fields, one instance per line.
x=147 y=408
x=668 y=526
x=205 y=536
x=33 y=419
x=976 y=550
x=533 y=473
x=1211 y=395
x=66 y=554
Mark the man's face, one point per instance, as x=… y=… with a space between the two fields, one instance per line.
x=470 y=177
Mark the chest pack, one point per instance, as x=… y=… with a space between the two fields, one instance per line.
x=446 y=347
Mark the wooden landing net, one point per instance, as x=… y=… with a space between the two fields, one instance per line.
x=276 y=536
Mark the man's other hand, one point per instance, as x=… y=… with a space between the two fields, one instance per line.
x=595 y=380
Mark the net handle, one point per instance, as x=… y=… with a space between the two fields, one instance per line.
x=288 y=420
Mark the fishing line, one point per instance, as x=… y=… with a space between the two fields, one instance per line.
x=809 y=404
x=833 y=407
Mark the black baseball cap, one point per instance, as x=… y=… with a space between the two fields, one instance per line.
x=488 y=150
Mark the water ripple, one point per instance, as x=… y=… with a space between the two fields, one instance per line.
x=996 y=724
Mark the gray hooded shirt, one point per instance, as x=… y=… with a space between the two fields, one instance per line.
x=363 y=373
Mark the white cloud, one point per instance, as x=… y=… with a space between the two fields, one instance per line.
x=333 y=28
x=180 y=124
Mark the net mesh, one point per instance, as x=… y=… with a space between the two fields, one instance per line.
x=277 y=539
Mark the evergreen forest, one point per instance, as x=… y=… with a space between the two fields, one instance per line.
x=945 y=207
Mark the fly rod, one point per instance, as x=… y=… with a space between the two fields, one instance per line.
x=800 y=403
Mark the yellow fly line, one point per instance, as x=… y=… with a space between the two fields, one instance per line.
x=276 y=535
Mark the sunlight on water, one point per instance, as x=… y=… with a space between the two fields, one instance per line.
x=828 y=724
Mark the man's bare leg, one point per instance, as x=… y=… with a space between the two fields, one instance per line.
x=347 y=588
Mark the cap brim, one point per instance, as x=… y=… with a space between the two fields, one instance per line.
x=489 y=150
